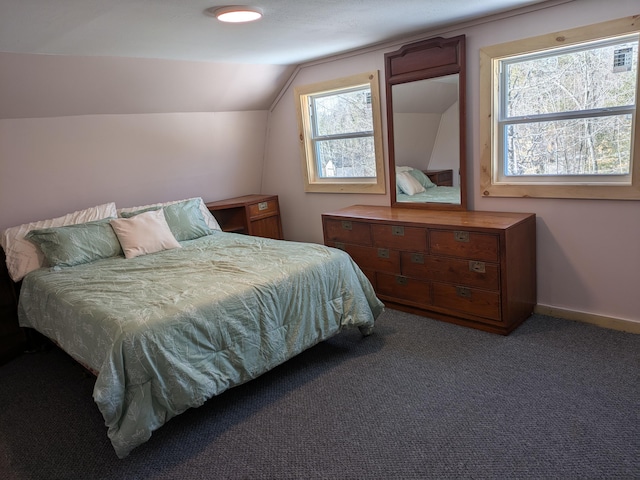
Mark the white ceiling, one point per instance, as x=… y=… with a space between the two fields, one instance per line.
x=291 y=32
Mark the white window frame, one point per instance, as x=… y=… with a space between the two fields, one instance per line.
x=492 y=182
x=313 y=182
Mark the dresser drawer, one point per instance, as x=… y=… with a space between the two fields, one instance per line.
x=465 y=244
x=400 y=237
x=480 y=303
x=347 y=231
x=261 y=209
x=372 y=258
x=471 y=273
x=408 y=289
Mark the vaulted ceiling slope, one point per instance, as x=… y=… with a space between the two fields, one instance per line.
x=242 y=66
x=291 y=31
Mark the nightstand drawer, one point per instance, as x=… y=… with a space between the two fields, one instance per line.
x=262 y=209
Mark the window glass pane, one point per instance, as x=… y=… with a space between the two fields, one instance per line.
x=343 y=113
x=349 y=157
x=600 y=77
x=586 y=146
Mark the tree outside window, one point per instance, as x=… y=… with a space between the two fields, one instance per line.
x=558 y=114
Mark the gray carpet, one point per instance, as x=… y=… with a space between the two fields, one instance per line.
x=418 y=399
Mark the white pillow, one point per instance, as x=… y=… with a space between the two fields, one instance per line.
x=408 y=184
x=206 y=214
x=144 y=233
x=403 y=169
x=24 y=257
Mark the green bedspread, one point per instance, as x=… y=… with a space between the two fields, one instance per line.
x=167 y=331
x=433 y=194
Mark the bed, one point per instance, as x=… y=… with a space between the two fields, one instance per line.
x=167 y=330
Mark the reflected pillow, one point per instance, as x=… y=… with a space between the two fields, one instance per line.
x=422 y=178
x=76 y=244
x=184 y=219
x=145 y=233
x=408 y=184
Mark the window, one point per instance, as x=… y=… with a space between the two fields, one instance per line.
x=560 y=120
x=340 y=135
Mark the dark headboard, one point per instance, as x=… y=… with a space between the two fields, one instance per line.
x=12 y=337
x=5 y=280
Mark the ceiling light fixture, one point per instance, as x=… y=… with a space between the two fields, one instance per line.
x=235 y=13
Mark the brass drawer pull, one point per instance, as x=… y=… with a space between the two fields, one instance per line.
x=461 y=236
x=397 y=230
x=263 y=206
x=383 y=253
x=401 y=280
x=417 y=258
x=463 y=292
x=347 y=225
x=478 y=267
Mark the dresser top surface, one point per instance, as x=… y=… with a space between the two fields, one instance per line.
x=480 y=219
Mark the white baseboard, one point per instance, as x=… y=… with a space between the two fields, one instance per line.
x=599 y=320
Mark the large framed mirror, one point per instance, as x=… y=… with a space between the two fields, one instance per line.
x=426 y=123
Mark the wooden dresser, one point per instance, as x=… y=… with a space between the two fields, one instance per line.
x=476 y=269
x=257 y=215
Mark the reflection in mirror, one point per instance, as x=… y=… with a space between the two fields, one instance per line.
x=427 y=139
x=425 y=87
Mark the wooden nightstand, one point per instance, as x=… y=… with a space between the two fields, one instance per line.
x=442 y=178
x=257 y=215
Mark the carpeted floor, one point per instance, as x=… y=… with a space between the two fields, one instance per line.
x=419 y=399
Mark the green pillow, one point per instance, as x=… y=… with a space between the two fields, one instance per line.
x=76 y=244
x=184 y=219
x=422 y=178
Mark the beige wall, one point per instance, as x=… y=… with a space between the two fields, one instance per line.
x=415 y=136
x=50 y=166
x=446 y=150
x=588 y=250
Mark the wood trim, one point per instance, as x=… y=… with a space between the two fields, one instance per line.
x=312 y=182
x=489 y=57
x=612 y=323
x=430 y=58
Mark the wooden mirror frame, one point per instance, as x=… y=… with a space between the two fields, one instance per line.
x=436 y=57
